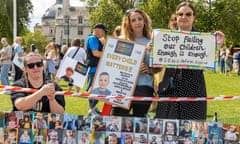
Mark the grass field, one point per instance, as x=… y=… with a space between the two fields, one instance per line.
x=217 y=84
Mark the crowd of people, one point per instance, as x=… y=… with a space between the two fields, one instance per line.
x=38 y=70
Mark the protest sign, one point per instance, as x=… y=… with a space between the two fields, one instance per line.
x=179 y=49
x=118 y=70
x=73 y=71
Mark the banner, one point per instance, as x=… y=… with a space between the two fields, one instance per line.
x=179 y=49
x=72 y=71
x=118 y=70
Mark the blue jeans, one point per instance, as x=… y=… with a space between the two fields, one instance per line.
x=92 y=103
x=4 y=74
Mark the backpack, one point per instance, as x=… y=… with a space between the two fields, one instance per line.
x=92 y=61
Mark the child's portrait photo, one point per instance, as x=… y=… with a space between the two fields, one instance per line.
x=54 y=136
x=70 y=122
x=199 y=132
x=10 y=136
x=24 y=136
x=155 y=139
x=127 y=138
x=114 y=124
x=141 y=125
x=40 y=120
x=155 y=126
x=11 y=120
x=39 y=136
x=98 y=123
x=170 y=127
x=55 y=121
x=214 y=133
x=127 y=124
x=83 y=137
x=103 y=81
x=70 y=137
x=230 y=133
x=84 y=123
x=112 y=138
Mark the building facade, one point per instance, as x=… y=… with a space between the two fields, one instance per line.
x=62 y=22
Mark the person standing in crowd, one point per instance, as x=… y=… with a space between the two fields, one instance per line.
x=78 y=53
x=5 y=60
x=117 y=31
x=52 y=56
x=136 y=26
x=229 y=61
x=94 y=52
x=18 y=50
x=184 y=82
x=173 y=22
x=222 y=55
x=44 y=99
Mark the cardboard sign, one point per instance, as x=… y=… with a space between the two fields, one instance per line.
x=79 y=71
x=118 y=70
x=190 y=50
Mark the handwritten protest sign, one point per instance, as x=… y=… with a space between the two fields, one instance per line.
x=190 y=50
x=118 y=70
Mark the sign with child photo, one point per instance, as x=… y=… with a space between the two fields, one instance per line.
x=118 y=70
x=189 y=50
x=72 y=71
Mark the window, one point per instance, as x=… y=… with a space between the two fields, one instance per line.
x=80 y=30
x=80 y=19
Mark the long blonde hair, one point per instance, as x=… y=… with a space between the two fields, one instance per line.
x=126 y=30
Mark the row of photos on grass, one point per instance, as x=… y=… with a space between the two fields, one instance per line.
x=121 y=60
x=31 y=127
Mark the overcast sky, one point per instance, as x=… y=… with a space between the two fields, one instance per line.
x=39 y=7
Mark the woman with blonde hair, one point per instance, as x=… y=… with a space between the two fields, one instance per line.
x=52 y=57
x=136 y=26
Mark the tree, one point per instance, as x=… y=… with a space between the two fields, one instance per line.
x=36 y=38
x=24 y=8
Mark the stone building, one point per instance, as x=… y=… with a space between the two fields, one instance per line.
x=64 y=21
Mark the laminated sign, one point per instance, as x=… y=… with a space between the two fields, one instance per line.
x=179 y=49
x=118 y=70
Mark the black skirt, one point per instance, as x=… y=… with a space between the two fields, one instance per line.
x=183 y=83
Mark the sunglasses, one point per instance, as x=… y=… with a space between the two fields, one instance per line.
x=32 y=65
x=188 y=14
x=131 y=10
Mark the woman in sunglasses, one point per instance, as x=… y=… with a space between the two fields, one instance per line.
x=185 y=82
x=44 y=99
x=136 y=26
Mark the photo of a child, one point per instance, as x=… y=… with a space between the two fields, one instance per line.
x=103 y=81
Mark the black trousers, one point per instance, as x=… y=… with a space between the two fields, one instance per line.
x=18 y=73
x=139 y=108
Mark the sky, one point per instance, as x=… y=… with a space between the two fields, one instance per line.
x=39 y=8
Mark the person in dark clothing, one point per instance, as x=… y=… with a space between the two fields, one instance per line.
x=44 y=99
x=184 y=82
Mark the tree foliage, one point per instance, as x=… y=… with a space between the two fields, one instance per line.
x=24 y=8
x=36 y=38
x=211 y=15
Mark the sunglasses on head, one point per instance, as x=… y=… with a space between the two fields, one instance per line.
x=32 y=65
x=131 y=10
x=188 y=14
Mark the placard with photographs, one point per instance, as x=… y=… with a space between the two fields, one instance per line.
x=72 y=71
x=103 y=129
x=118 y=70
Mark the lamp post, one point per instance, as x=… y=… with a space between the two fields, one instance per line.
x=67 y=19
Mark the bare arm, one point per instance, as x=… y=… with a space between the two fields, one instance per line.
x=97 y=53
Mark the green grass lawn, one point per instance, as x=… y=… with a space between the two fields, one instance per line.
x=217 y=84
